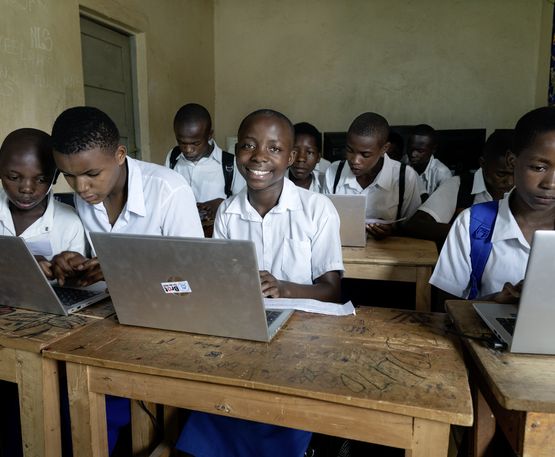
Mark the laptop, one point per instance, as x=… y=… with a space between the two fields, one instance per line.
x=23 y=284
x=352 y=215
x=197 y=285
x=528 y=328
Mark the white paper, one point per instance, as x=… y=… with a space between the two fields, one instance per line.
x=310 y=306
x=383 y=222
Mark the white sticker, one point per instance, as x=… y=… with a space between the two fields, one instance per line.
x=178 y=287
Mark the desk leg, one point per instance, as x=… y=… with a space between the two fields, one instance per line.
x=88 y=414
x=430 y=439
x=423 y=289
x=484 y=424
x=39 y=404
x=142 y=429
x=539 y=435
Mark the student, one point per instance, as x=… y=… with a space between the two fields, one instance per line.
x=308 y=147
x=373 y=173
x=209 y=171
x=529 y=207
x=115 y=193
x=27 y=207
x=396 y=149
x=421 y=148
x=296 y=233
x=491 y=181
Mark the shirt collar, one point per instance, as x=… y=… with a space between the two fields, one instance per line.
x=478 y=184
x=135 y=194
x=506 y=227
x=46 y=220
x=216 y=154
x=384 y=179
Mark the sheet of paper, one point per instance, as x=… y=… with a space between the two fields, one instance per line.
x=310 y=306
x=383 y=222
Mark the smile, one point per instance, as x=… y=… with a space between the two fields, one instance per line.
x=258 y=172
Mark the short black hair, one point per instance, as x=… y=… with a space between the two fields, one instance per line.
x=28 y=137
x=497 y=144
x=304 y=128
x=532 y=124
x=192 y=113
x=425 y=130
x=397 y=140
x=82 y=128
x=268 y=113
x=368 y=124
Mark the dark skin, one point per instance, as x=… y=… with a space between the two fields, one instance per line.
x=365 y=158
x=193 y=140
x=27 y=174
x=421 y=148
x=264 y=152
x=98 y=176
x=306 y=158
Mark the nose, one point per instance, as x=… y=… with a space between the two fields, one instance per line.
x=259 y=155
x=548 y=182
x=300 y=157
x=27 y=186
x=81 y=185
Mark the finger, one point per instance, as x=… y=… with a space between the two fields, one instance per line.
x=89 y=264
x=46 y=268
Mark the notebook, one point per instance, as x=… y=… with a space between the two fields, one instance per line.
x=528 y=328
x=352 y=215
x=196 y=285
x=23 y=284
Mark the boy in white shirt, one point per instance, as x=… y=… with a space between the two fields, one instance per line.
x=421 y=148
x=373 y=173
x=296 y=233
x=27 y=207
x=529 y=207
x=209 y=171
x=491 y=181
x=308 y=147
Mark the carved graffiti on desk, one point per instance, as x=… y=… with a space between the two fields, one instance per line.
x=16 y=323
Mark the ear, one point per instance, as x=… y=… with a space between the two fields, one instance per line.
x=510 y=158
x=385 y=148
x=481 y=161
x=120 y=154
x=211 y=134
x=292 y=157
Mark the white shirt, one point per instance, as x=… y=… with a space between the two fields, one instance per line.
x=506 y=263
x=322 y=166
x=206 y=176
x=382 y=196
x=58 y=229
x=159 y=202
x=442 y=204
x=298 y=240
x=434 y=174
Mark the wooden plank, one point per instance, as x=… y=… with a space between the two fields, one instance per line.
x=430 y=439
x=172 y=425
x=539 y=435
x=484 y=425
x=88 y=414
x=301 y=413
x=143 y=431
x=379 y=272
x=8 y=365
x=37 y=380
x=423 y=289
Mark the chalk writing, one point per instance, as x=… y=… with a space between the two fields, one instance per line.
x=41 y=39
x=25 y=5
x=8 y=85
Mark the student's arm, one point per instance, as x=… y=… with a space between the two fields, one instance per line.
x=412 y=199
x=180 y=214
x=325 y=288
x=509 y=294
x=422 y=225
x=209 y=208
x=380 y=231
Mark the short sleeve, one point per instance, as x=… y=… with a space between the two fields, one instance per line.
x=441 y=205
x=180 y=215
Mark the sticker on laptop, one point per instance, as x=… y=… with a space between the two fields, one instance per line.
x=176 y=287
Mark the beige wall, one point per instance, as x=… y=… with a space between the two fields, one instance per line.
x=453 y=64
x=41 y=71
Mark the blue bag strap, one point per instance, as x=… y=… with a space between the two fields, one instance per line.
x=482 y=222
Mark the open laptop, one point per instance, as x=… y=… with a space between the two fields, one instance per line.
x=196 y=285
x=23 y=284
x=528 y=328
x=352 y=215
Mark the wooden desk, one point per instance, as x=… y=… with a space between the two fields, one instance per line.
x=395 y=259
x=518 y=389
x=384 y=376
x=23 y=336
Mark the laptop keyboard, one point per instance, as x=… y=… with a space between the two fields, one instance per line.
x=508 y=323
x=271 y=316
x=69 y=296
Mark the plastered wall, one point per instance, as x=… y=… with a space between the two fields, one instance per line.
x=450 y=63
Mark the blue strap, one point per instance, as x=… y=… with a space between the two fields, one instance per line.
x=482 y=222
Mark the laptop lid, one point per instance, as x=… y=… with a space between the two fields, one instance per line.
x=352 y=216
x=534 y=317
x=23 y=285
x=196 y=285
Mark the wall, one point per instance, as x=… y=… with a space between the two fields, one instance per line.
x=41 y=71
x=453 y=64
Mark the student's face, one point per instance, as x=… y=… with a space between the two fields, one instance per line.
x=93 y=174
x=264 y=151
x=306 y=158
x=498 y=176
x=193 y=140
x=24 y=177
x=534 y=173
x=421 y=148
x=364 y=152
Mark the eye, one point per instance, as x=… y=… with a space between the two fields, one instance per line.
x=247 y=146
x=538 y=168
x=92 y=174
x=13 y=177
x=43 y=179
x=274 y=149
x=196 y=143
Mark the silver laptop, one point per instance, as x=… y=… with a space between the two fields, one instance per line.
x=23 y=284
x=528 y=328
x=194 y=285
x=352 y=215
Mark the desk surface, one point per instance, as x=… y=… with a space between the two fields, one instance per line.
x=394 y=250
x=382 y=359
x=521 y=382
x=32 y=331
